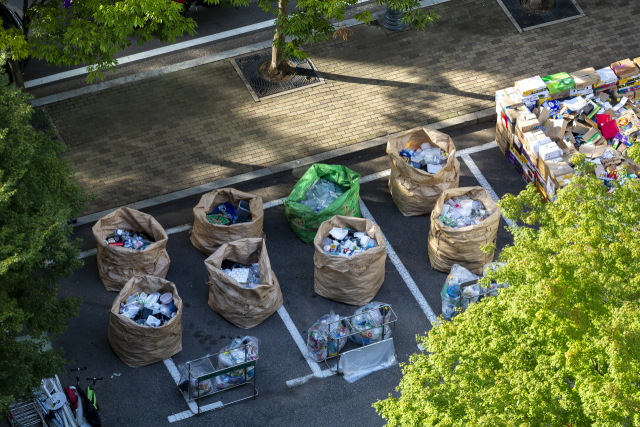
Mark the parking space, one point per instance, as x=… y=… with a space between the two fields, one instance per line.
x=292 y=391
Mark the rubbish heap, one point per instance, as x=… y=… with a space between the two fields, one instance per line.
x=544 y=121
x=227 y=214
x=368 y=325
x=426 y=157
x=234 y=354
x=231 y=355
x=149 y=310
x=329 y=334
x=321 y=194
x=458 y=290
x=463 y=211
x=248 y=276
x=347 y=242
x=129 y=239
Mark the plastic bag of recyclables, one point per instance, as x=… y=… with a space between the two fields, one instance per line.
x=234 y=354
x=326 y=337
x=368 y=321
x=455 y=296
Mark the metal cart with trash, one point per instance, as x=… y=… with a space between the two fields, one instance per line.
x=206 y=378
x=373 y=336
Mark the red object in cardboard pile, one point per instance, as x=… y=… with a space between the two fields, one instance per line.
x=609 y=129
x=602 y=118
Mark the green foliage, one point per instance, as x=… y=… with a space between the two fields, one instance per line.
x=311 y=21
x=37 y=196
x=561 y=345
x=93 y=31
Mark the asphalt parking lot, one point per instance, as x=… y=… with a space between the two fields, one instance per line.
x=149 y=396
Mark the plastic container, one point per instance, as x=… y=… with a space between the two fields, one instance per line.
x=166 y=299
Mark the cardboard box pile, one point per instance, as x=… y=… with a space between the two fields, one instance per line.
x=543 y=121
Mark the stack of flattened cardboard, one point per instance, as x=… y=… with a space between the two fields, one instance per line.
x=543 y=121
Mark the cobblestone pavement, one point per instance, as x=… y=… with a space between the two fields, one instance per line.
x=164 y=134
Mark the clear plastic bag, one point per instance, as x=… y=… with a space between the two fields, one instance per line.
x=321 y=194
x=451 y=292
x=322 y=342
x=234 y=354
x=365 y=323
x=198 y=368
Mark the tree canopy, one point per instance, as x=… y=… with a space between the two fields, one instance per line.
x=64 y=32
x=37 y=197
x=561 y=345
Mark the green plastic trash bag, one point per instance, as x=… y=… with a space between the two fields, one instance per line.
x=304 y=220
x=559 y=82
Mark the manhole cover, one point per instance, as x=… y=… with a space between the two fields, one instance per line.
x=565 y=9
x=305 y=76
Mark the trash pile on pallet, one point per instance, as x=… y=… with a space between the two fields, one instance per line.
x=543 y=121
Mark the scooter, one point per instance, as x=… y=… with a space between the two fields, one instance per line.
x=88 y=406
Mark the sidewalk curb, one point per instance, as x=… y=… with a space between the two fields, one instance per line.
x=283 y=169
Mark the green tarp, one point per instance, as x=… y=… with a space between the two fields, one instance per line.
x=302 y=219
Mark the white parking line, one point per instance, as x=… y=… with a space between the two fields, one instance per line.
x=295 y=334
x=482 y=180
x=413 y=288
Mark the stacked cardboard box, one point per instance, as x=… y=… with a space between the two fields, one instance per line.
x=543 y=121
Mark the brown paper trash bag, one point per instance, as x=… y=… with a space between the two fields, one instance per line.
x=243 y=307
x=117 y=264
x=207 y=237
x=351 y=280
x=448 y=246
x=139 y=345
x=415 y=191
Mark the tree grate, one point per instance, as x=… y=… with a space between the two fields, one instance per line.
x=564 y=10
x=305 y=76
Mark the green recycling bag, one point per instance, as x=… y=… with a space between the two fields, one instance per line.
x=558 y=82
x=303 y=220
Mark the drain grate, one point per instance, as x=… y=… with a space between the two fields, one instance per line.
x=305 y=76
x=564 y=10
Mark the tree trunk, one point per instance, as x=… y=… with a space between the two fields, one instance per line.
x=276 y=51
x=538 y=6
x=16 y=73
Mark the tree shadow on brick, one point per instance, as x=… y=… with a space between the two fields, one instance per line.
x=450 y=90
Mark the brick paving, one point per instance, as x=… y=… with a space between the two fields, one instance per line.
x=168 y=133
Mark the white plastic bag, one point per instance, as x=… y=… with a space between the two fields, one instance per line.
x=322 y=342
x=358 y=363
x=368 y=317
x=234 y=354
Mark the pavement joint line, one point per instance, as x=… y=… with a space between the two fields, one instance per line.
x=367 y=178
x=357 y=149
x=483 y=182
x=404 y=273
